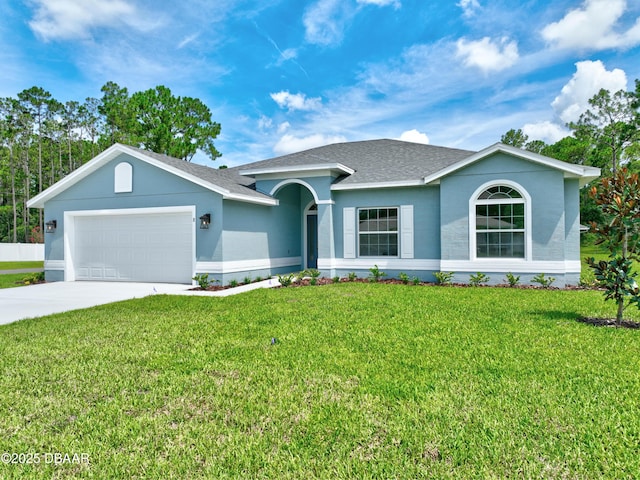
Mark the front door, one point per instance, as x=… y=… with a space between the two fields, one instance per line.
x=312 y=240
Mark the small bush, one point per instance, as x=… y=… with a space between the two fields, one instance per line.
x=376 y=274
x=443 y=278
x=203 y=280
x=258 y=278
x=247 y=279
x=404 y=278
x=478 y=279
x=352 y=276
x=545 y=282
x=335 y=279
x=415 y=280
x=233 y=283
x=313 y=273
x=33 y=278
x=512 y=279
x=286 y=280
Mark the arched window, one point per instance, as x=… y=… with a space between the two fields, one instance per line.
x=500 y=223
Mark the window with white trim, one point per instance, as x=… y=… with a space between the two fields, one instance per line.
x=500 y=223
x=378 y=232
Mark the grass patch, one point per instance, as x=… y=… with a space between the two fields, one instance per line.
x=10 y=280
x=364 y=381
x=19 y=265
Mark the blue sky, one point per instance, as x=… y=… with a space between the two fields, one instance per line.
x=286 y=75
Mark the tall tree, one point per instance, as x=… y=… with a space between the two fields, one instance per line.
x=612 y=123
x=175 y=126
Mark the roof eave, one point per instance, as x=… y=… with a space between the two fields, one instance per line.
x=585 y=174
x=371 y=185
x=334 y=167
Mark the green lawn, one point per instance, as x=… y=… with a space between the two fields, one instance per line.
x=18 y=265
x=364 y=381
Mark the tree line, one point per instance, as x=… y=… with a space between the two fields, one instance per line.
x=43 y=139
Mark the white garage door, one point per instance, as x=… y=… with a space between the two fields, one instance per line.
x=134 y=248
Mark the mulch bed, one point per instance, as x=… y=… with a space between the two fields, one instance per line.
x=608 y=322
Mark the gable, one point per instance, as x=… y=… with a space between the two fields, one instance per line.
x=211 y=179
x=515 y=156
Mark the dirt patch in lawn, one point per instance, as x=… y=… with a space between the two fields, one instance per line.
x=608 y=322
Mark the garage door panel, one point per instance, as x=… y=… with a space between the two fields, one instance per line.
x=154 y=247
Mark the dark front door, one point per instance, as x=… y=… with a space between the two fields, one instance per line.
x=312 y=241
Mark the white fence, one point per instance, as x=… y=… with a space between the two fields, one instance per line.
x=21 y=252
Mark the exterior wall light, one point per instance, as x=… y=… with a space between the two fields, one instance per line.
x=50 y=226
x=205 y=221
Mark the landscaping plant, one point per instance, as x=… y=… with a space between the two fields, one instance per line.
x=376 y=274
x=443 y=278
x=619 y=199
x=545 y=282
x=478 y=279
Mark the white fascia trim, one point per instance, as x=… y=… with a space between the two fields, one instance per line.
x=112 y=152
x=296 y=169
x=409 y=264
x=585 y=174
x=247 y=265
x=362 y=186
x=511 y=265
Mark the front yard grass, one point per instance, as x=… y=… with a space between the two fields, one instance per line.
x=363 y=381
x=19 y=265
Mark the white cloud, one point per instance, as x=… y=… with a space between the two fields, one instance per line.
x=487 y=54
x=325 y=21
x=414 y=136
x=469 y=7
x=297 y=101
x=290 y=143
x=71 y=19
x=547 y=131
x=381 y=3
x=283 y=127
x=589 y=78
x=592 y=27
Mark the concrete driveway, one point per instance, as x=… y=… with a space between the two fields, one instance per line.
x=47 y=298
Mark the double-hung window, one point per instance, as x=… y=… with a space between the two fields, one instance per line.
x=378 y=232
x=500 y=223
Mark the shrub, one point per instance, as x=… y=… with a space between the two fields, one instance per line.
x=247 y=279
x=443 y=278
x=313 y=273
x=233 y=283
x=286 y=280
x=33 y=278
x=545 y=282
x=478 y=279
x=352 y=276
x=203 y=280
x=404 y=278
x=335 y=279
x=512 y=279
x=415 y=280
x=258 y=278
x=376 y=274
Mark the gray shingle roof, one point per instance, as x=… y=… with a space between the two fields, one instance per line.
x=373 y=161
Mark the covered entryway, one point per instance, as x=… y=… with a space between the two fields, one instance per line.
x=135 y=245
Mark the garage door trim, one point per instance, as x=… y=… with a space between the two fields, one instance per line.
x=70 y=233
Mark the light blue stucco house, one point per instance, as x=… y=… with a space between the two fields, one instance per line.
x=133 y=215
